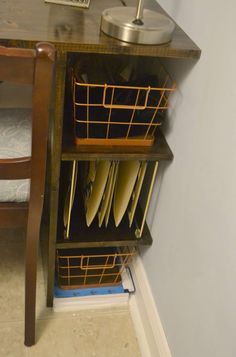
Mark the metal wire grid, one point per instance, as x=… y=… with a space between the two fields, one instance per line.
x=110 y=99
x=85 y=270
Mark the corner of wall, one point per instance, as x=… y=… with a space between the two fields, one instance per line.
x=148 y=326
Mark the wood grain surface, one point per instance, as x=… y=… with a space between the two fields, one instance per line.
x=24 y=22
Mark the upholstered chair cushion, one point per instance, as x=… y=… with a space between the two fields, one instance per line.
x=15 y=141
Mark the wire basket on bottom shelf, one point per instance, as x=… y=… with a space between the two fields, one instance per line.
x=92 y=267
x=126 y=113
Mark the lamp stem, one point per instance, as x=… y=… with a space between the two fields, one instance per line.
x=139 y=13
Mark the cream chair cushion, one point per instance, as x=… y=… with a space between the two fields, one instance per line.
x=15 y=141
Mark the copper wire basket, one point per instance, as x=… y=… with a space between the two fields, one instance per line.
x=92 y=268
x=110 y=114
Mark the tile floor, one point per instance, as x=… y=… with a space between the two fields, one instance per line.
x=98 y=333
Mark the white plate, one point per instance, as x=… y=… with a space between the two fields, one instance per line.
x=137 y=190
x=97 y=189
x=127 y=175
x=106 y=195
x=107 y=215
x=87 y=178
x=70 y=195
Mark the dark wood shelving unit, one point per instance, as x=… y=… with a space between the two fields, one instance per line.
x=159 y=151
x=39 y=21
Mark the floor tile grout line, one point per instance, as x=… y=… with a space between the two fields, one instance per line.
x=11 y=322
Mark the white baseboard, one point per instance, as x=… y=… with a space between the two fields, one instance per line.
x=89 y=302
x=147 y=323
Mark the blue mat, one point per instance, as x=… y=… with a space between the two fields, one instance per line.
x=62 y=293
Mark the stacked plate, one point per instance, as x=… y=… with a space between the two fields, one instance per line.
x=109 y=190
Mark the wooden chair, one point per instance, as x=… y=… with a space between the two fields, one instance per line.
x=32 y=67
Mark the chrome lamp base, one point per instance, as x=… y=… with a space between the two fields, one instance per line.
x=152 y=28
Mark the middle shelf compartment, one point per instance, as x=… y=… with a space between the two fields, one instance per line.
x=98 y=212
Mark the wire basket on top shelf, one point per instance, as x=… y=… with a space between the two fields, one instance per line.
x=92 y=268
x=126 y=112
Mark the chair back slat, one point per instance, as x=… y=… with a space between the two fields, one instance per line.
x=17 y=65
x=13 y=216
x=15 y=169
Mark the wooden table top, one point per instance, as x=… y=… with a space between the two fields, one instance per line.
x=25 y=22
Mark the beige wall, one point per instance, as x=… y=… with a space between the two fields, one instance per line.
x=192 y=264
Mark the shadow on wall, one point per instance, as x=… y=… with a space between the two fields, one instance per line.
x=179 y=71
x=175 y=6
